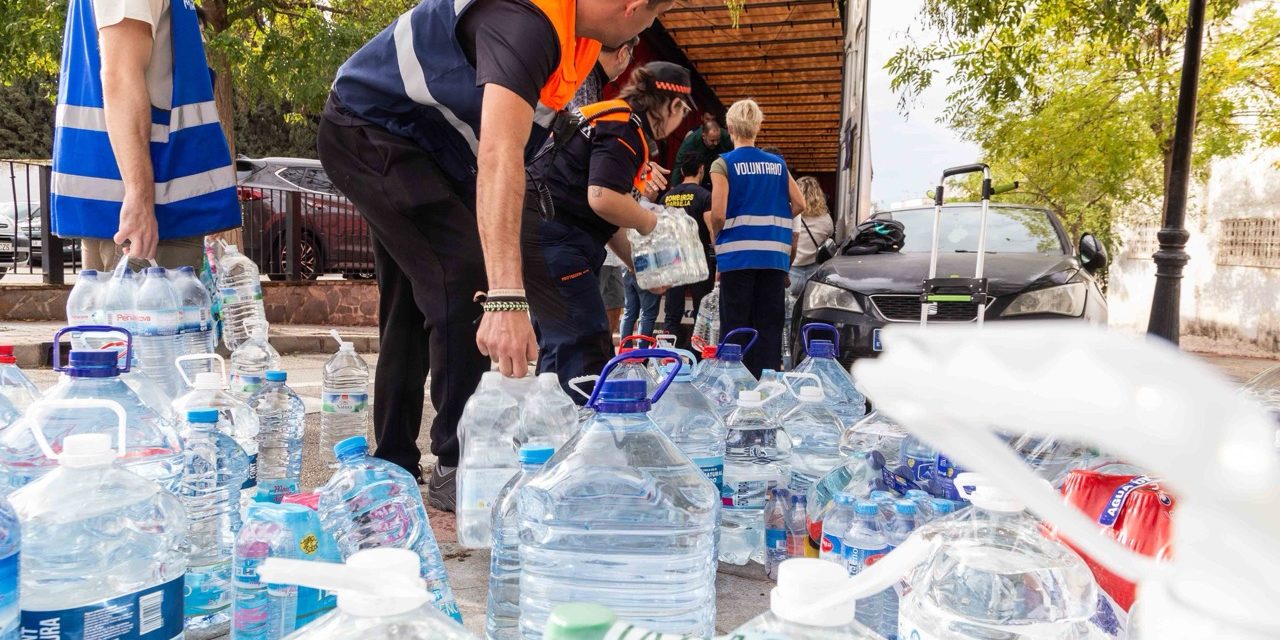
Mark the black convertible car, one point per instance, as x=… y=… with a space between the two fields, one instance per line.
x=1033 y=272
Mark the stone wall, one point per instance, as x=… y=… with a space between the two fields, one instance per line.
x=33 y=303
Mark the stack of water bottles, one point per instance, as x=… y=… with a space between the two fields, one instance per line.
x=671 y=254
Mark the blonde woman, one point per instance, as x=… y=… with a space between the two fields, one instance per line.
x=753 y=201
x=808 y=232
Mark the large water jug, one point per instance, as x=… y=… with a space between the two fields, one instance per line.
x=214 y=469
x=706 y=325
x=502 y=621
x=9 y=414
x=240 y=289
x=370 y=503
x=235 y=417
x=379 y=596
x=635 y=368
x=815 y=439
x=98 y=541
x=15 y=386
x=549 y=417
x=156 y=340
x=844 y=399
x=74 y=405
x=10 y=542
x=195 y=318
x=757 y=458
x=874 y=432
x=264 y=611
x=791 y=614
x=723 y=377
x=344 y=399
x=251 y=360
x=280 y=413
x=691 y=422
x=620 y=517
x=486 y=434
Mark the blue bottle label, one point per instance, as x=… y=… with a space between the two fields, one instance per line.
x=713 y=469
x=207 y=592
x=920 y=468
x=858 y=559
x=274 y=490
x=9 y=581
x=252 y=480
x=775 y=539
x=244 y=383
x=149 y=614
x=642 y=262
x=944 y=476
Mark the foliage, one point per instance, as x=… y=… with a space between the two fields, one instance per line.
x=26 y=119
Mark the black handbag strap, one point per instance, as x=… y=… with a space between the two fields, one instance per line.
x=812 y=239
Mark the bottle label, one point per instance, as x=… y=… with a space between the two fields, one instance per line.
x=479 y=488
x=127 y=320
x=447 y=607
x=944 y=477
x=775 y=540
x=641 y=262
x=244 y=383
x=233 y=295
x=858 y=559
x=9 y=581
x=313 y=603
x=207 y=592
x=920 y=468
x=252 y=480
x=276 y=489
x=156 y=323
x=345 y=403
x=195 y=319
x=832 y=546
x=797 y=541
x=713 y=468
x=666 y=258
x=149 y=614
x=745 y=494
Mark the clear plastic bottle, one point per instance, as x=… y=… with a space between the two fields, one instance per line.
x=502 y=621
x=797 y=533
x=815 y=438
x=706 y=325
x=865 y=543
x=693 y=424
x=903 y=524
x=240 y=288
x=486 y=435
x=635 y=368
x=99 y=539
x=156 y=340
x=344 y=399
x=15 y=386
x=775 y=531
x=195 y=318
x=379 y=596
x=788 y=310
x=84 y=303
x=280 y=412
x=235 y=418
x=214 y=469
x=119 y=303
x=757 y=458
x=874 y=432
x=722 y=378
x=10 y=552
x=791 y=615
x=251 y=361
x=263 y=611
x=371 y=503
x=86 y=400
x=550 y=417
x=834 y=525
x=9 y=414
x=620 y=517
x=842 y=396
x=918 y=459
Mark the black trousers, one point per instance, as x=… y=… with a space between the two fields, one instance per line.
x=754 y=298
x=673 y=311
x=429 y=265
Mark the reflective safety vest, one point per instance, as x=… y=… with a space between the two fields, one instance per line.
x=757 y=225
x=619 y=111
x=194 y=177
x=414 y=80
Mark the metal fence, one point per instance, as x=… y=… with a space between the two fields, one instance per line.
x=27 y=246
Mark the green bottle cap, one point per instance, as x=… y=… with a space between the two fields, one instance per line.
x=579 y=621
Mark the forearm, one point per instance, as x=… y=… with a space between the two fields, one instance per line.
x=621 y=247
x=499 y=206
x=620 y=210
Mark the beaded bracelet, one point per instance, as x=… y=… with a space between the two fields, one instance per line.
x=491 y=305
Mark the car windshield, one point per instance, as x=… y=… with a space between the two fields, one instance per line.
x=1009 y=230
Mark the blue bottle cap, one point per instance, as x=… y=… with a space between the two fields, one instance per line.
x=535 y=454
x=881 y=495
x=88 y=273
x=190 y=270
x=155 y=271
x=798 y=498
x=941 y=506
x=92 y=363
x=355 y=445
x=904 y=507
x=866 y=508
x=844 y=498
x=730 y=352
x=277 y=376
x=822 y=349
x=202 y=416
x=623 y=396
x=917 y=493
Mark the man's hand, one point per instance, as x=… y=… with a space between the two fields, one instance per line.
x=138 y=228
x=125 y=49
x=507 y=338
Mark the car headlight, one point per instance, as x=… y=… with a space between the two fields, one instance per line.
x=1064 y=300
x=824 y=296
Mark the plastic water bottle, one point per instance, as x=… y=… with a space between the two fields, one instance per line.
x=791 y=615
x=842 y=396
x=486 y=435
x=241 y=291
x=918 y=458
x=280 y=412
x=235 y=418
x=119 y=302
x=251 y=361
x=195 y=317
x=834 y=525
x=9 y=414
x=91 y=398
x=903 y=524
x=10 y=543
x=788 y=308
x=874 y=432
x=85 y=303
x=265 y=611
x=722 y=378
x=214 y=469
x=797 y=534
x=620 y=517
x=815 y=438
x=706 y=325
x=370 y=503
x=99 y=540
x=693 y=424
x=549 y=417
x=865 y=543
x=775 y=531
x=344 y=407
x=502 y=621
x=379 y=596
x=757 y=457
x=15 y=386
x=156 y=340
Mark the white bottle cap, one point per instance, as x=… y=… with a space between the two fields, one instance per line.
x=803 y=581
x=811 y=394
x=208 y=380
x=86 y=450
x=750 y=398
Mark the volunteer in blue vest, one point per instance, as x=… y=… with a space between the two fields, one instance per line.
x=427 y=130
x=140 y=163
x=582 y=196
x=753 y=201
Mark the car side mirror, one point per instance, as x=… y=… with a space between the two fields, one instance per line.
x=1093 y=255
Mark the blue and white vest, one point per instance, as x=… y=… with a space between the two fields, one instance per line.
x=757 y=226
x=194 y=176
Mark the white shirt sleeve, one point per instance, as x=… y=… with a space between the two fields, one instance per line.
x=796 y=225
x=109 y=12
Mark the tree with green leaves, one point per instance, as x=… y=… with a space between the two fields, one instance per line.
x=1076 y=98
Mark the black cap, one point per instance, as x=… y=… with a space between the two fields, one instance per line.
x=673 y=78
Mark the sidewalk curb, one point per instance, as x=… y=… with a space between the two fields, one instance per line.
x=40 y=355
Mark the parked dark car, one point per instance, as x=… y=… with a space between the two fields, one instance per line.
x=15 y=246
x=32 y=228
x=1033 y=274
x=333 y=236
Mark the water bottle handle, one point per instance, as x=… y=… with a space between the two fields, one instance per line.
x=686 y=354
x=177 y=363
x=804 y=334
x=725 y=339
x=641 y=354
x=93 y=328
x=35 y=420
x=793 y=375
x=638 y=338
x=765 y=387
x=575 y=382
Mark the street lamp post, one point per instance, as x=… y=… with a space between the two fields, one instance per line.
x=1172 y=256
